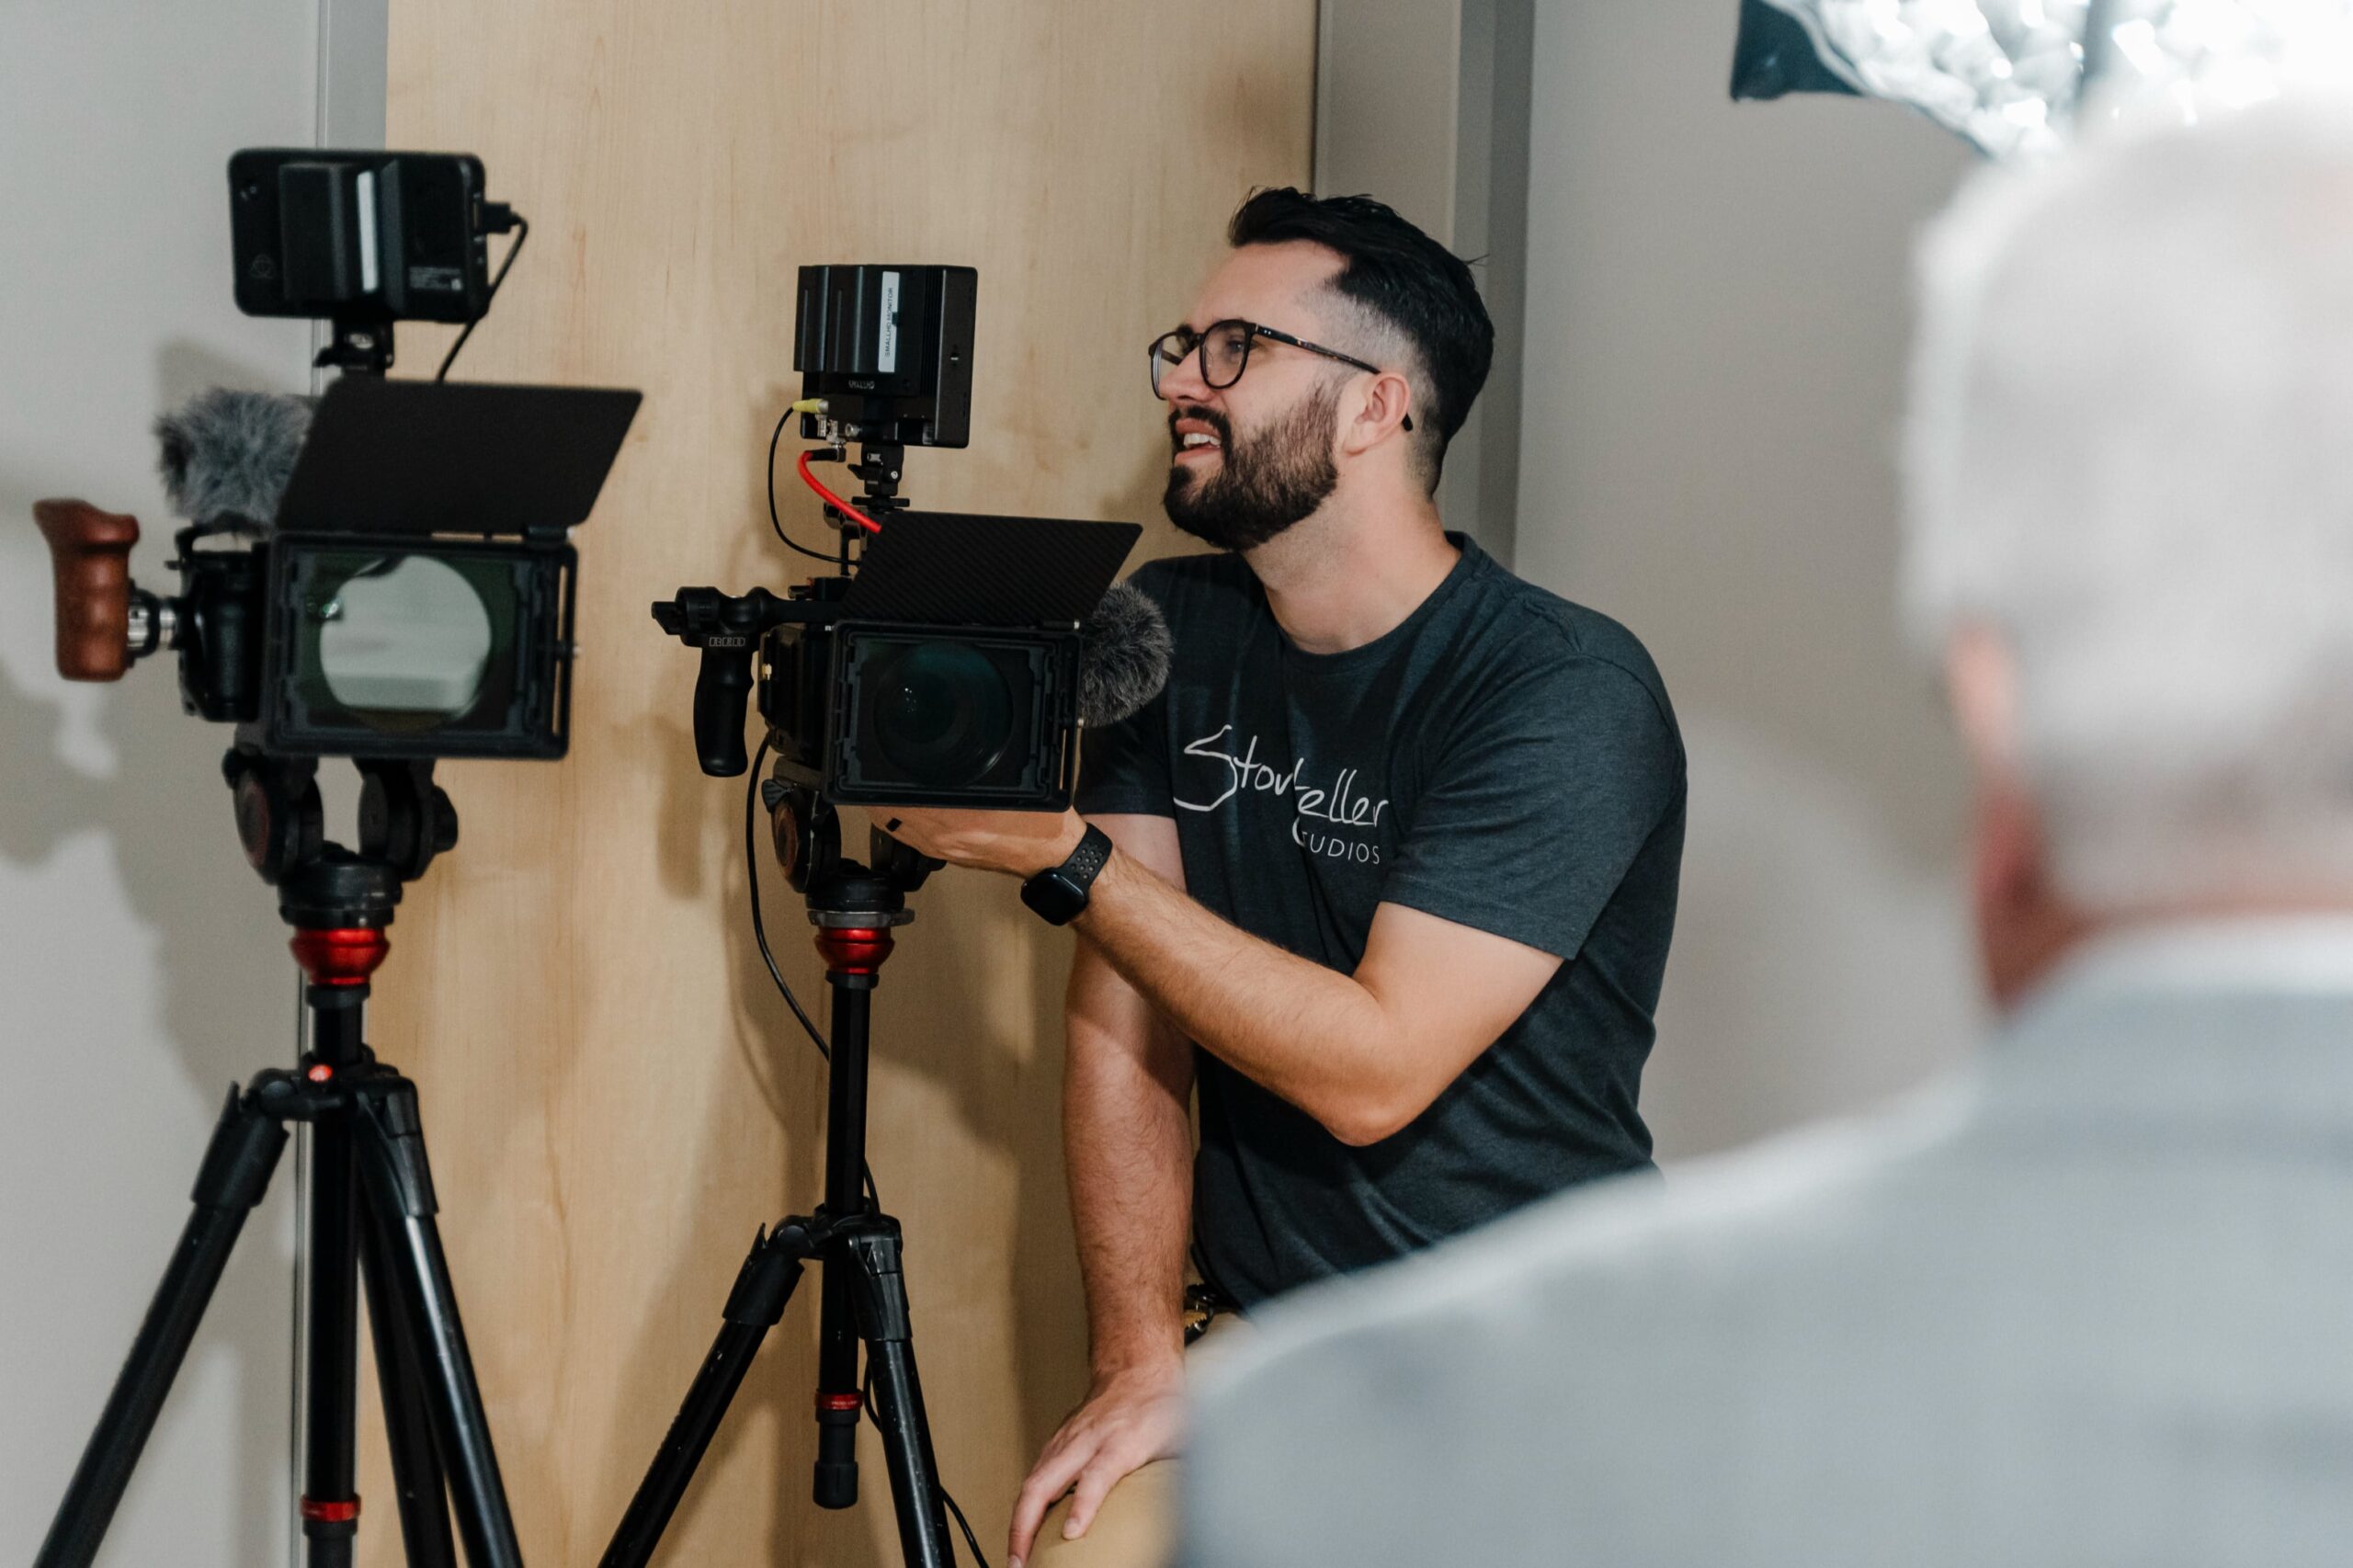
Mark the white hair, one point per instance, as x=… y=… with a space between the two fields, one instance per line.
x=2130 y=457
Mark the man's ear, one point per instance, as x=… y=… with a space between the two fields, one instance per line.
x=1381 y=413
x=1982 y=683
x=2024 y=924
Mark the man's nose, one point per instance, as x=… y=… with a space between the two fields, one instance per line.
x=1182 y=381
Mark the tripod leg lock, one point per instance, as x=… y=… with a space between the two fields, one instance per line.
x=390 y=1104
x=764 y=1283
x=238 y=1161
x=882 y=1287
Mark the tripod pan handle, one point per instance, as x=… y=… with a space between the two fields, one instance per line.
x=89 y=555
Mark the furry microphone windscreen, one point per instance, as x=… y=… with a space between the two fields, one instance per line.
x=229 y=454
x=1123 y=661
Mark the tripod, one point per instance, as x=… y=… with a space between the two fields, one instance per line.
x=863 y=1293
x=371 y=1210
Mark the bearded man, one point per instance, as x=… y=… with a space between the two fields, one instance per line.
x=1387 y=873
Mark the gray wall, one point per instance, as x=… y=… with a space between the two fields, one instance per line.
x=1424 y=103
x=1716 y=327
x=142 y=964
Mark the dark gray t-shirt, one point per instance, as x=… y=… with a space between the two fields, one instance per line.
x=1503 y=759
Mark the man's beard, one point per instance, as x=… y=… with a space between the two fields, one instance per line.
x=1263 y=486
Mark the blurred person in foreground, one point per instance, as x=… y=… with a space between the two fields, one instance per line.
x=2093 y=1301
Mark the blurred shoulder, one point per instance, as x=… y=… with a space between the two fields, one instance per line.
x=1629 y=1256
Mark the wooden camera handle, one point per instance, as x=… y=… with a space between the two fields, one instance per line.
x=89 y=553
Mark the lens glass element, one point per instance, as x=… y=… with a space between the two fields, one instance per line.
x=941 y=712
x=403 y=636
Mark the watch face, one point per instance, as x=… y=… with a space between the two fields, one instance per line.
x=1055 y=896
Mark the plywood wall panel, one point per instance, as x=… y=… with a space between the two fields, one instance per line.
x=614 y=1095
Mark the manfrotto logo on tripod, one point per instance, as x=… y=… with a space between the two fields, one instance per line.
x=1322 y=818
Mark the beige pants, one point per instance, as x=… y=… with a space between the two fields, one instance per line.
x=1136 y=1526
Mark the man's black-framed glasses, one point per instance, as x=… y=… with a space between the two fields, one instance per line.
x=1224 y=353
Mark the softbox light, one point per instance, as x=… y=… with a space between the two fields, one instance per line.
x=2014 y=76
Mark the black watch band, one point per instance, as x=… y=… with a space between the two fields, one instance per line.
x=1059 y=894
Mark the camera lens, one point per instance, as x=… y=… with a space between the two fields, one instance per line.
x=941 y=712
x=403 y=639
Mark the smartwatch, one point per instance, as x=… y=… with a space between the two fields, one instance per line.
x=1059 y=894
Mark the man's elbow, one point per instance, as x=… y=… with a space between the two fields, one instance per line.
x=1362 y=1117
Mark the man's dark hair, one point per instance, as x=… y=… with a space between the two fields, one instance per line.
x=1400 y=275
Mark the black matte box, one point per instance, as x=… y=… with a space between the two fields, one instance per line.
x=823 y=699
x=522 y=706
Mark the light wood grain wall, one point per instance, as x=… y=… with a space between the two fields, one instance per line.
x=615 y=1097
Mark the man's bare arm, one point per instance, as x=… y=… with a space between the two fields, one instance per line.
x=1127 y=1141
x=1363 y=1053
x=1127 y=1137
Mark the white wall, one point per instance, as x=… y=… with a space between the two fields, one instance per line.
x=1717 y=323
x=142 y=966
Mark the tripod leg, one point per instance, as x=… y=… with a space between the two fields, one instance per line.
x=898 y=1399
x=398 y=1186
x=756 y=1304
x=236 y=1170
x=400 y=1377
x=835 y=1479
x=330 y=1502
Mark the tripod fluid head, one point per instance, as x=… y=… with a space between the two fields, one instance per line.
x=805 y=832
x=406 y=821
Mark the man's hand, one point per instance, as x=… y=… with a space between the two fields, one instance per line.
x=1019 y=844
x=1129 y=1419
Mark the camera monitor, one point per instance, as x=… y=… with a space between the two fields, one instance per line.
x=890 y=349
x=419 y=586
x=359 y=235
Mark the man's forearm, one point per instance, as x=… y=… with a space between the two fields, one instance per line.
x=1310 y=1034
x=1128 y=1146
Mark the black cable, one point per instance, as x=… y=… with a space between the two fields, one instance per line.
x=759 y=926
x=522 y=232
x=773 y=522
x=965 y=1525
x=865 y=1399
x=760 y=931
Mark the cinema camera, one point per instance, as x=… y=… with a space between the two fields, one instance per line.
x=953 y=659
x=397 y=580
x=386 y=577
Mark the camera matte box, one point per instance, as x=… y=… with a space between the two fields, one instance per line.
x=387 y=457
x=951 y=568
x=399 y=468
